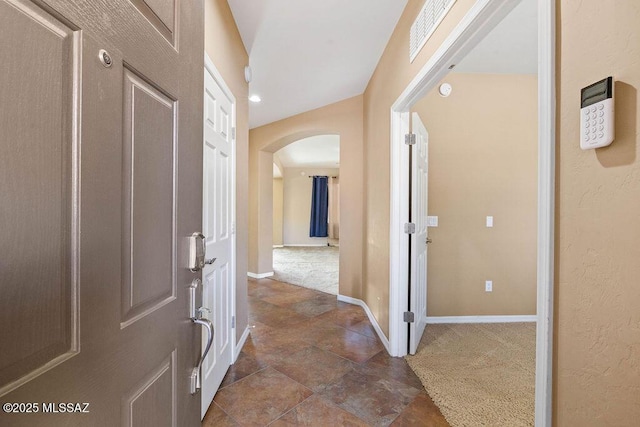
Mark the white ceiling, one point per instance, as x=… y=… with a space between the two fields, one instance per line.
x=306 y=54
x=321 y=151
x=510 y=48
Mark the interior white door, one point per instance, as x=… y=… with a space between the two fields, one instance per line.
x=418 y=240
x=218 y=202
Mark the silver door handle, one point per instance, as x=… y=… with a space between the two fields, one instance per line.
x=195 y=382
x=210 y=261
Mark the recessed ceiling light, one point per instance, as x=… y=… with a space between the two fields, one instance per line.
x=255 y=98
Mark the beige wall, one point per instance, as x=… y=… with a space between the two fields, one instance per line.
x=278 y=211
x=297 y=205
x=393 y=73
x=597 y=307
x=343 y=118
x=224 y=46
x=482 y=161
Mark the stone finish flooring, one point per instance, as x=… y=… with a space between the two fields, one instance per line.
x=313 y=361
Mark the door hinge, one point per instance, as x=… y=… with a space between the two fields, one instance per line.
x=233 y=321
x=233 y=133
x=409 y=317
x=410 y=139
x=409 y=228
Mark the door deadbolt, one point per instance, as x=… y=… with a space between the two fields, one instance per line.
x=196 y=252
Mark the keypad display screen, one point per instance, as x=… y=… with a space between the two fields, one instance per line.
x=596 y=92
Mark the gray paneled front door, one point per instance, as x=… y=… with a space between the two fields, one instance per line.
x=100 y=183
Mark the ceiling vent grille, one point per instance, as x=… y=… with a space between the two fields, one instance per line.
x=432 y=13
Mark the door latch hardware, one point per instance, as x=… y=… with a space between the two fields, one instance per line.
x=409 y=317
x=195 y=382
x=197 y=317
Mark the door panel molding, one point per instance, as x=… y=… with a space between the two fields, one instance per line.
x=163 y=16
x=41 y=189
x=149 y=235
x=219 y=147
x=147 y=401
x=419 y=247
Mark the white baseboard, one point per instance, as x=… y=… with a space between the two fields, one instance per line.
x=278 y=246
x=240 y=344
x=372 y=319
x=481 y=319
x=310 y=245
x=259 y=276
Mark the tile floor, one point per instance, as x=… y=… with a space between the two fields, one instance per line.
x=313 y=361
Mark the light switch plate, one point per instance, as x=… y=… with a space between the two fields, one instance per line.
x=489 y=221
x=488 y=286
x=432 y=221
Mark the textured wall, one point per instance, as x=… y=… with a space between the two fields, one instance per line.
x=483 y=151
x=597 y=324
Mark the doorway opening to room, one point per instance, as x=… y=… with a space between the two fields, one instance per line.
x=487 y=108
x=306 y=213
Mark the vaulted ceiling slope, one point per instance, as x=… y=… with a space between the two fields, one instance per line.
x=306 y=54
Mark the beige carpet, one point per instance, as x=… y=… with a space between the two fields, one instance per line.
x=314 y=267
x=479 y=374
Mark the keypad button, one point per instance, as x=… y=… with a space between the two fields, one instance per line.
x=601 y=120
x=601 y=128
x=587 y=124
x=601 y=113
x=593 y=116
x=600 y=107
x=593 y=109
x=600 y=135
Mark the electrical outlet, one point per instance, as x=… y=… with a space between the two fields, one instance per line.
x=488 y=286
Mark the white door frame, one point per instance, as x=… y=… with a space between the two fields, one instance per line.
x=480 y=20
x=208 y=64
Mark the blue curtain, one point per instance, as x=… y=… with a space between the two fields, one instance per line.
x=319 y=207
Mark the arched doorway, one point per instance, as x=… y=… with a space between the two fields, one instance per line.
x=306 y=213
